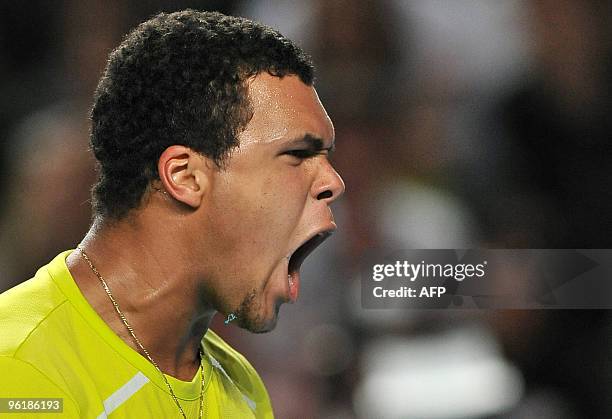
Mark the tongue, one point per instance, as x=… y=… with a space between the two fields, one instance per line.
x=294 y=286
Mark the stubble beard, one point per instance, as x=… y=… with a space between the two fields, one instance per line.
x=249 y=314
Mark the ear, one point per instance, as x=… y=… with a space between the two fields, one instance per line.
x=185 y=174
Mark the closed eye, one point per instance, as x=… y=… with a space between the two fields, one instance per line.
x=303 y=154
x=307 y=147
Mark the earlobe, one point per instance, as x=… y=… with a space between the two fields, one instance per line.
x=181 y=171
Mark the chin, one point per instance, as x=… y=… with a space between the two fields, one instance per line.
x=254 y=322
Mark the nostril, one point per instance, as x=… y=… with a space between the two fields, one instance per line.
x=325 y=195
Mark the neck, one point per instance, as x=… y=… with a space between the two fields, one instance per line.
x=154 y=285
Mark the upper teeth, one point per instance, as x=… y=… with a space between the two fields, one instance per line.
x=290 y=280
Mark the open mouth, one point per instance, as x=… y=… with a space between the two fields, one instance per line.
x=298 y=257
x=302 y=252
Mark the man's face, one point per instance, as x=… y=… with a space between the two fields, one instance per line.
x=269 y=205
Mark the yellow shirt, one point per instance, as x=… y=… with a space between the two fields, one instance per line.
x=54 y=345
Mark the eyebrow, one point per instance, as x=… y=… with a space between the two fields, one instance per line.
x=314 y=143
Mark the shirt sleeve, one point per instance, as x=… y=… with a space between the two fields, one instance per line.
x=19 y=380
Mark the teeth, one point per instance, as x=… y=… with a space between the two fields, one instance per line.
x=290 y=279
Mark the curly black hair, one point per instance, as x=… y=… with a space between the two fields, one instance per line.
x=178 y=78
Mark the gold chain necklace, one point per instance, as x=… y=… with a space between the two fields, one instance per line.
x=129 y=328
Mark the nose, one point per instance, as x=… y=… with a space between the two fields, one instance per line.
x=329 y=185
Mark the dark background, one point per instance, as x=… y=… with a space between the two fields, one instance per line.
x=459 y=123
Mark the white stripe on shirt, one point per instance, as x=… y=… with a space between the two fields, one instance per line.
x=123 y=394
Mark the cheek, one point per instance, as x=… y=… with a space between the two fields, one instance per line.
x=252 y=221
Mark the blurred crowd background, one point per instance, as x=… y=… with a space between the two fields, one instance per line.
x=459 y=123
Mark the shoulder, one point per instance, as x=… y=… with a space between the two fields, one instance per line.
x=21 y=379
x=25 y=307
x=217 y=346
x=233 y=364
x=232 y=361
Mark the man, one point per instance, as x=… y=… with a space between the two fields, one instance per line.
x=214 y=185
